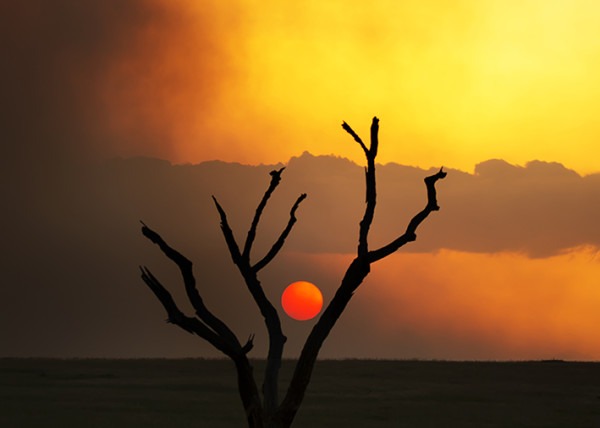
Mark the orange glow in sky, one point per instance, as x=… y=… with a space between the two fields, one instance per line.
x=485 y=306
x=455 y=83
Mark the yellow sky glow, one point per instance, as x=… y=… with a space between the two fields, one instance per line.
x=454 y=84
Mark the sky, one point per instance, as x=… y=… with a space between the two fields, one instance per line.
x=502 y=93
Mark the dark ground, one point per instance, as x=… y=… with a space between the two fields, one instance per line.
x=352 y=393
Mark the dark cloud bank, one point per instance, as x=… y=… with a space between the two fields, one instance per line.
x=71 y=285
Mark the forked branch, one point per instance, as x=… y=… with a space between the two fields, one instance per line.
x=272 y=322
x=275 y=179
x=177 y=317
x=281 y=240
x=371 y=193
x=411 y=230
x=249 y=275
x=354 y=276
x=186 y=269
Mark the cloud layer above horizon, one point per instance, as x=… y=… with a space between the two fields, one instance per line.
x=483 y=280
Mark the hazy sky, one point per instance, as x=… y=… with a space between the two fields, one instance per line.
x=503 y=93
x=456 y=83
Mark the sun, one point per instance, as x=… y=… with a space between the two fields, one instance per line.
x=302 y=300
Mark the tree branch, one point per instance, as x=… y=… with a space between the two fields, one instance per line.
x=186 y=269
x=374 y=137
x=275 y=179
x=249 y=344
x=228 y=234
x=371 y=193
x=410 y=234
x=253 y=284
x=281 y=240
x=175 y=316
x=272 y=322
x=221 y=337
x=355 y=136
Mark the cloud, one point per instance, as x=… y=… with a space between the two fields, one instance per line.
x=539 y=209
x=71 y=257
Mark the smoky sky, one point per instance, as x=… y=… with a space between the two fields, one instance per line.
x=53 y=54
x=74 y=71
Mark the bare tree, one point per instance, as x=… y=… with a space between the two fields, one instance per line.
x=270 y=412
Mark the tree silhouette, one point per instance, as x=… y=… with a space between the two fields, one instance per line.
x=270 y=412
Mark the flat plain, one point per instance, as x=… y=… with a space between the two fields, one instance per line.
x=345 y=393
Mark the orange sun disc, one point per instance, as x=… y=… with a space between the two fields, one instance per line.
x=302 y=300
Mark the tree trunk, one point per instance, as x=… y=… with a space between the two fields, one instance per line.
x=356 y=273
x=249 y=392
